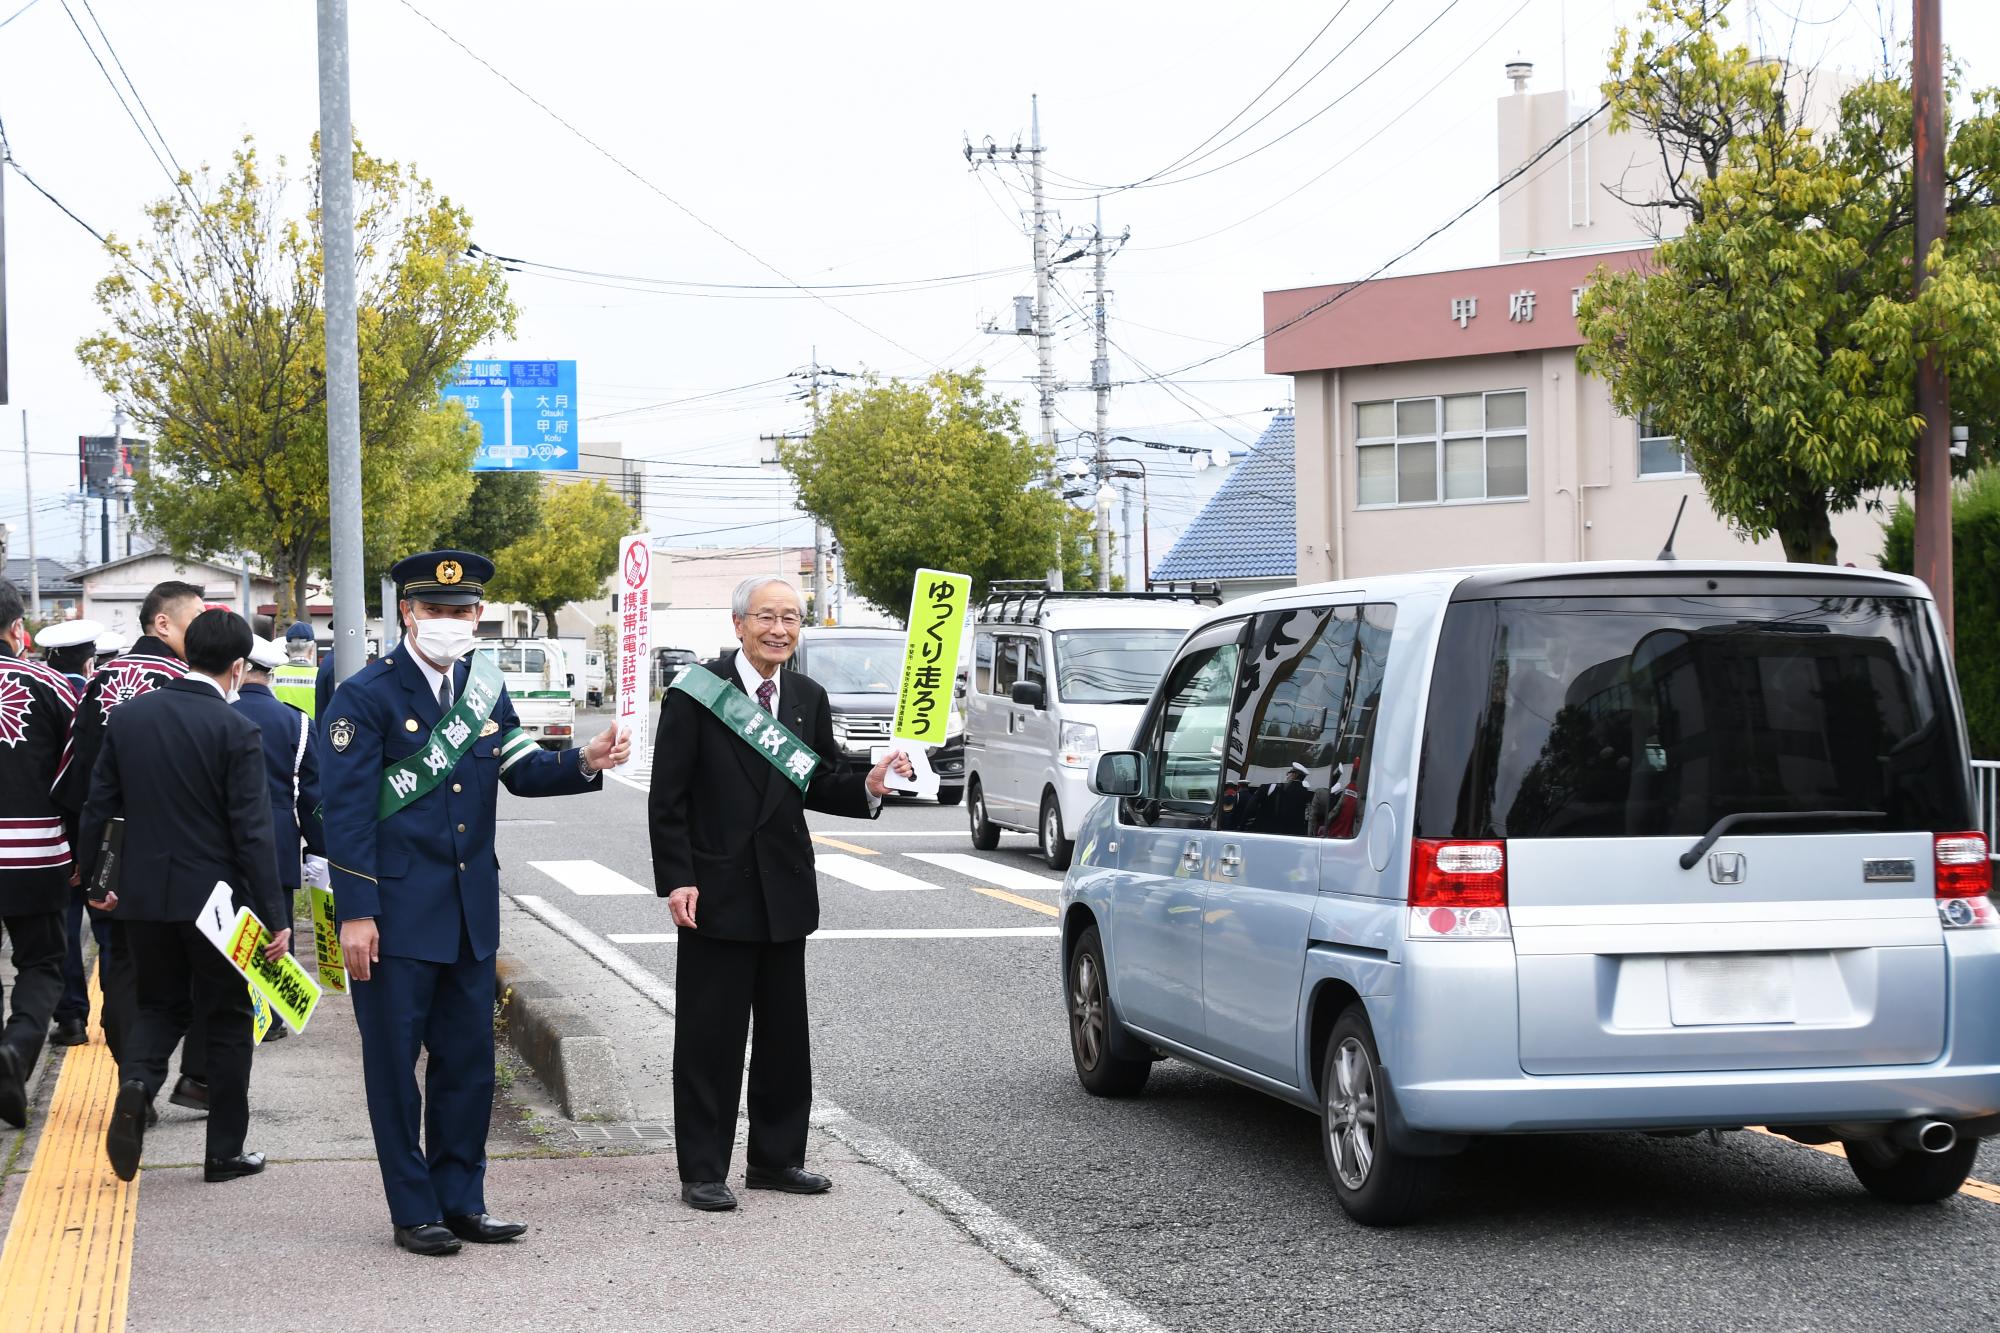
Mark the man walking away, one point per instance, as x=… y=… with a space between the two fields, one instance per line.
x=69 y=647
x=36 y=705
x=186 y=772
x=151 y=662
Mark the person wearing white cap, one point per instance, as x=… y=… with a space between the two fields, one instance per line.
x=70 y=646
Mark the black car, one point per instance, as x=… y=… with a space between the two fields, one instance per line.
x=861 y=670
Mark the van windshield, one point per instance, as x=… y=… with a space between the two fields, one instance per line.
x=1656 y=716
x=1106 y=666
x=855 y=666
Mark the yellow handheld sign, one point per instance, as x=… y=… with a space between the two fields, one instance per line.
x=930 y=656
x=326 y=942
x=261 y=1017
x=284 y=985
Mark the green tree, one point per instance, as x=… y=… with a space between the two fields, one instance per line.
x=216 y=348
x=935 y=474
x=566 y=557
x=1778 y=336
x=503 y=508
x=1975 y=578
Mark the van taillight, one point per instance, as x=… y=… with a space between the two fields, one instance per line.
x=1458 y=890
x=1964 y=878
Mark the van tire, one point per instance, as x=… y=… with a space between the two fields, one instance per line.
x=1087 y=996
x=1901 y=1175
x=950 y=795
x=1056 y=849
x=1376 y=1186
x=985 y=833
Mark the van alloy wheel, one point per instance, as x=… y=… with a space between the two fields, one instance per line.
x=1093 y=1024
x=1351 y=1125
x=1086 y=1010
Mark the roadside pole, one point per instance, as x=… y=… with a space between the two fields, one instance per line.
x=28 y=484
x=343 y=383
x=1932 y=548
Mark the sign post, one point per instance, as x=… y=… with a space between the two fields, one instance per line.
x=526 y=413
x=634 y=582
x=930 y=673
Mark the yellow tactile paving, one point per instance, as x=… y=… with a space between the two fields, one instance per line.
x=68 y=1259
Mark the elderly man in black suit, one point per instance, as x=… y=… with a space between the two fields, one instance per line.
x=744 y=750
x=186 y=772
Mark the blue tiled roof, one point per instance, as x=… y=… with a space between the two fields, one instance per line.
x=1249 y=528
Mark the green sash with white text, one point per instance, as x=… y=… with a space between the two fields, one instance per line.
x=410 y=780
x=760 y=731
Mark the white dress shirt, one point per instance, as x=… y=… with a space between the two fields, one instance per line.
x=751 y=680
x=432 y=676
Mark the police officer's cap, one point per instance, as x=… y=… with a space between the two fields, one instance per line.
x=299 y=630
x=265 y=654
x=68 y=634
x=448 y=578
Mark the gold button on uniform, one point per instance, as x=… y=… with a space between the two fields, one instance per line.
x=409 y=724
x=461 y=828
x=461 y=865
x=456 y=787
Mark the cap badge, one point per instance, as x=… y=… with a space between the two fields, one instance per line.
x=449 y=572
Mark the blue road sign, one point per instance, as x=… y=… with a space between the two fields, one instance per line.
x=526 y=412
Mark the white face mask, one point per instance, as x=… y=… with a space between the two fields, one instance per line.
x=443 y=641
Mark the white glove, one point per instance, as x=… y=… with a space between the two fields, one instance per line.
x=316 y=874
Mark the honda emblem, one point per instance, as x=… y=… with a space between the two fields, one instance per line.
x=1726 y=867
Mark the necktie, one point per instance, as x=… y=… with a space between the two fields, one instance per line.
x=444 y=693
x=764 y=693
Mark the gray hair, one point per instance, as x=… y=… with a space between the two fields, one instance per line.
x=739 y=603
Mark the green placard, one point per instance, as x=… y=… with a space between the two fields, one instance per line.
x=930 y=656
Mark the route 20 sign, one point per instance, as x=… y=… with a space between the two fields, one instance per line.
x=526 y=413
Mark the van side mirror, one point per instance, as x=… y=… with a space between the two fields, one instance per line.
x=1028 y=693
x=1118 y=773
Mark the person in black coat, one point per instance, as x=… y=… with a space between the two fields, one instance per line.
x=186 y=773
x=733 y=859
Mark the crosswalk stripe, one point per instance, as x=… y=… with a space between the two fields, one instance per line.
x=997 y=873
x=868 y=875
x=589 y=879
x=907 y=933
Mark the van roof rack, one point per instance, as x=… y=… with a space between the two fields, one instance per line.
x=1023 y=601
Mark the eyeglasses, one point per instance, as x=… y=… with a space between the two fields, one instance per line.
x=771 y=619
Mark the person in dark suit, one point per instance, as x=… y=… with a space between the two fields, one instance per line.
x=291 y=759
x=732 y=858
x=418 y=744
x=186 y=772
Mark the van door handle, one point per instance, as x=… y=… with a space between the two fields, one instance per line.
x=1231 y=860
x=1191 y=855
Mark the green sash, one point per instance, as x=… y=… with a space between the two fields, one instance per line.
x=760 y=731
x=412 y=779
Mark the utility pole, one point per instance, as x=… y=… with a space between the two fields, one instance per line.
x=1932 y=547
x=343 y=378
x=28 y=485
x=1102 y=249
x=111 y=483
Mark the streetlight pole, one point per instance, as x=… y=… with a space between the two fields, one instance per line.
x=1932 y=547
x=343 y=369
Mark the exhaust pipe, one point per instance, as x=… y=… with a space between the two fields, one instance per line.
x=1931 y=1136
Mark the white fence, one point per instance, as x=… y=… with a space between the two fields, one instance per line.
x=1986 y=797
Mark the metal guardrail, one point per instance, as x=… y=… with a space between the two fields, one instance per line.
x=1986 y=797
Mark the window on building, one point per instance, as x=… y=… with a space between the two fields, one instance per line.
x=1660 y=455
x=1467 y=446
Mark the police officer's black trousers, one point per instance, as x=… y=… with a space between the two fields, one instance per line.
x=38 y=952
x=180 y=973
x=718 y=984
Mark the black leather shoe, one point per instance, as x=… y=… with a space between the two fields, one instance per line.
x=710 y=1196
x=278 y=1031
x=189 y=1092
x=790 y=1179
x=69 y=1032
x=125 y=1140
x=427 y=1238
x=217 y=1169
x=13 y=1090
x=482 y=1229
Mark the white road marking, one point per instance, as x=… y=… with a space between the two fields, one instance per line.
x=644 y=784
x=589 y=879
x=997 y=873
x=868 y=875
x=906 y=933
x=1079 y=1294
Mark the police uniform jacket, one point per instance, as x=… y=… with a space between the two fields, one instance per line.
x=186 y=771
x=37 y=704
x=149 y=665
x=430 y=866
x=291 y=765
x=726 y=821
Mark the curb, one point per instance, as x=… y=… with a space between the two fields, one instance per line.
x=567 y=1051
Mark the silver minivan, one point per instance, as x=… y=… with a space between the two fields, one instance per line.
x=1057 y=677
x=1661 y=847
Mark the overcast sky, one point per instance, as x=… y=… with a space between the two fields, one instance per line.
x=791 y=143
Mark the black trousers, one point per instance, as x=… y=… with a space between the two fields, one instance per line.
x=718 y=986
x=38 y=983
x=115 y=978
x=180 y=974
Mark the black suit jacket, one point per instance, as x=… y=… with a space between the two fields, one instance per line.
x=726 y=821
x=187 y=773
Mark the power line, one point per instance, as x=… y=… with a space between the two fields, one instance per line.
x=170 y=172
x=620 y=163
x=17 y=13
x=749 y=286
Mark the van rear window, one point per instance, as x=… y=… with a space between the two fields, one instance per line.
x=1655 y=716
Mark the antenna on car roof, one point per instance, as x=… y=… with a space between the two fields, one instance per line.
x=1667 y=551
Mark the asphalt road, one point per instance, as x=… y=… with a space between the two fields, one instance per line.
x=1206 y=1205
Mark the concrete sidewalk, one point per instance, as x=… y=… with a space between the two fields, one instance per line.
x=610 y=1244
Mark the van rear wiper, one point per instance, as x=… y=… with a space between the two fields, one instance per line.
x=1728 y=822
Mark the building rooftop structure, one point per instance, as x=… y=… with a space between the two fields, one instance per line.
x=1248 y=529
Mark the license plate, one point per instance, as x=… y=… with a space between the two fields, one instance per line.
x=1730 y=988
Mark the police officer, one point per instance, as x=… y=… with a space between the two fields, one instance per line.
x=293 y=680
x=417 y=745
